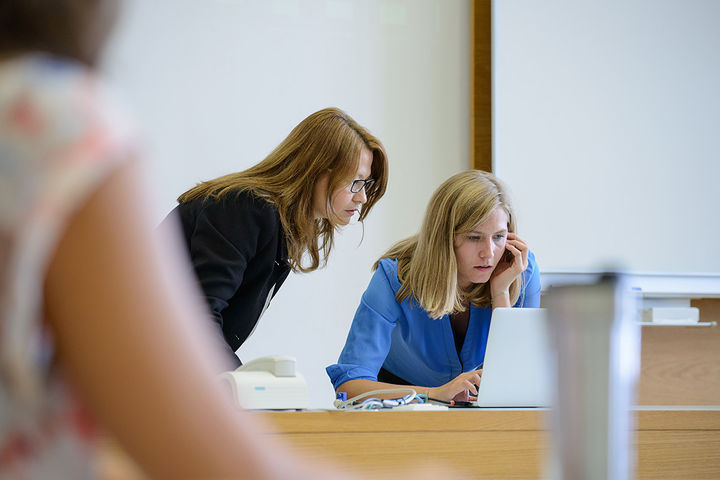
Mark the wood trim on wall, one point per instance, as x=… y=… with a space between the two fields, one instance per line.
x=679 y=366
x=481 y=85
x=709 y=309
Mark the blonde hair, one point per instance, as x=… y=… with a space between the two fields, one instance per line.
x=327 y=142
x=427 y=267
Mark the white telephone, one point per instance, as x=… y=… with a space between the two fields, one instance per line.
x=268 y=383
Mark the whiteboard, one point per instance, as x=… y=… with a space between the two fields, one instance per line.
x=606 y=126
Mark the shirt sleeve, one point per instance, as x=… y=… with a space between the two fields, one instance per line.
x=227 y=235
x=530 y=296
x=368 y=342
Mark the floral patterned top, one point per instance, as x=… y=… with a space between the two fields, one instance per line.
x=60 y=136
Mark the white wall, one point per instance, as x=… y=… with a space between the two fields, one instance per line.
x=217 y=84
x=607 y=128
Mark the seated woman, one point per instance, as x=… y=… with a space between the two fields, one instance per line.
x=424 y=318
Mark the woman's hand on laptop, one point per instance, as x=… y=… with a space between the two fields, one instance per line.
x=461 y=388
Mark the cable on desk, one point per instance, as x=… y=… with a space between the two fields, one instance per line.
x=374 y=403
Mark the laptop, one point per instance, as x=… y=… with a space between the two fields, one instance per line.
x=518 y=360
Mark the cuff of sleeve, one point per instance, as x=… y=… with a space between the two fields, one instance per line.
x=341 y=373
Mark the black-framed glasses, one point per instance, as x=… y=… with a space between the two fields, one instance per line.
x=358 y=185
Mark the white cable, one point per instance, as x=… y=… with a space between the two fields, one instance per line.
x=376 y=402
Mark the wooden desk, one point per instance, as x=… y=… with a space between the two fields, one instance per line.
x=672 y=443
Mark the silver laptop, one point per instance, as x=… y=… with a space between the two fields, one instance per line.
x=518 y=359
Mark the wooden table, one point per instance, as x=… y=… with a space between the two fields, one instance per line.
x=672 y=442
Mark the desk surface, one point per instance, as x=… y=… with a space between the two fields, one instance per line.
x=672 y=442
x=657 y=417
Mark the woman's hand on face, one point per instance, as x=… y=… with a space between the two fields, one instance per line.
x=461 y=388
x=507 y=271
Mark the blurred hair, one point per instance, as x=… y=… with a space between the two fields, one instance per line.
x=427 y=267
x=75 y=29
x=327 y=142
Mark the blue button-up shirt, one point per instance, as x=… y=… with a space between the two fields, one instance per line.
x=406 y=341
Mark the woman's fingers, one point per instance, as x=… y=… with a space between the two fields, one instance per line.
x=517 y=254
x=464 y=387
x=521 y=245
x=472 y=381
x=520 y=255
x=463 y=396
x=513 y=236
x=470 y=387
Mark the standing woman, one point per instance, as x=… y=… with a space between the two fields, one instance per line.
x=245 y=231
x=425 y=316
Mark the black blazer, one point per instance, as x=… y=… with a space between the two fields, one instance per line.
x=238 y=250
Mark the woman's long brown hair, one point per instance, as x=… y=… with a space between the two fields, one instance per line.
x=327 y=142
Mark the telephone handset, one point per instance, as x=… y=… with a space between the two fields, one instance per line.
x=268 y=383
x=278 y=365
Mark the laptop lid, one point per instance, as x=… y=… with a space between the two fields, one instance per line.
x=516 y=368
